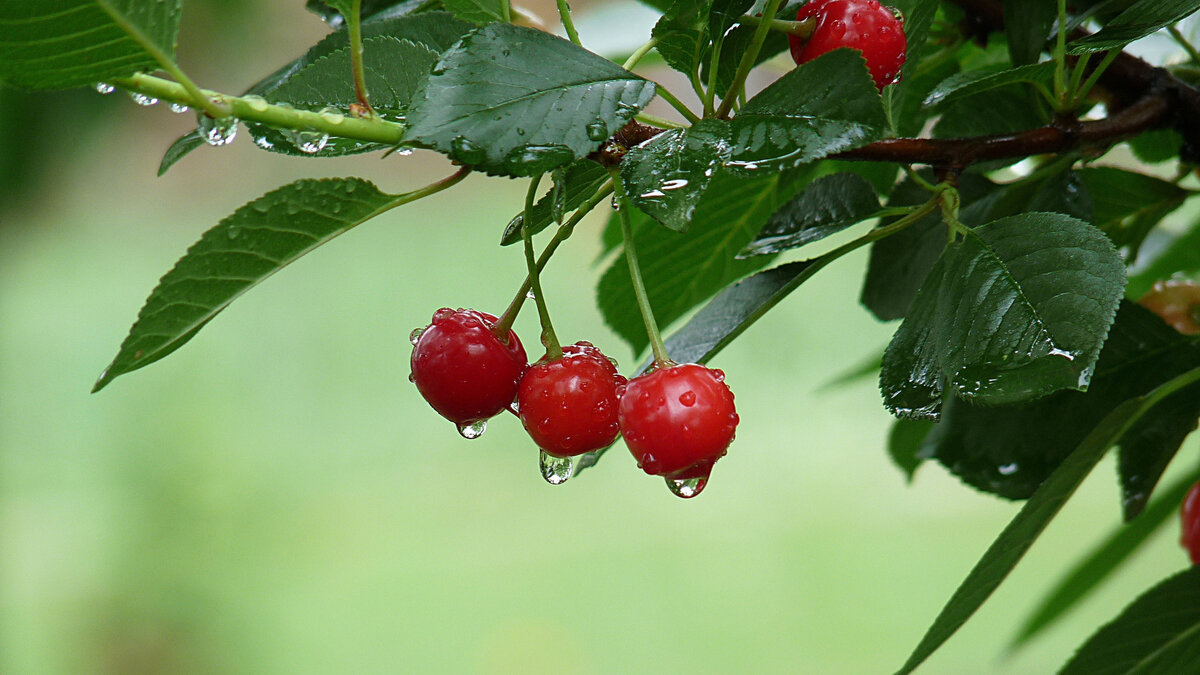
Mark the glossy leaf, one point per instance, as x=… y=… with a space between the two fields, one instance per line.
x=1180 y=256
x=580 y=181
x=902 y=97
x=370 y=8
x=1027 y=25
x=974 y=82
x=828 y=206
x=237 y=254
x=840 y=110
x=1106 y=558
x=667 y=176
x=1017 y=310
x=1008 y=549
x=682 y=35
x=1158 y=633
x=59 y=44
x=1139 y=20
x=1010 y=450
x=904 y=444
x=683 y=270
x=493 y=103
x=476 y=11
x=393 y=70
x=1129 y=204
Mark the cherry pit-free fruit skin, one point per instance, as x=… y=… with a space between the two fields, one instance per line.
x=1177 y=302
x=463 y=370
x=569 y=405
x=1189 y=517
x=678 y=420
x=863 y=25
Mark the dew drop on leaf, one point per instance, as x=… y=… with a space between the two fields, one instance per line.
x=473 y=430
x=105 y=88
x=178 y=108
x=142 y=99
x=217 y=131
x=465 y=151
x=597 y=131
x=556 y=470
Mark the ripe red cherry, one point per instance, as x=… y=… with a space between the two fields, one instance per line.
x=569 y=405
x=463 y=370
x=677 y=421
x=864 y=25
x=1189 y=515
x=1177 y=302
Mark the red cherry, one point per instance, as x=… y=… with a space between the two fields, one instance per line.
x=677 y=422
x=1177 y=302
x=463 y=370
x=864 y=25
x=1189 y=516
x=569 y=405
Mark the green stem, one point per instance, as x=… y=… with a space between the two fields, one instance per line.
x=801 y=29
x=354 y=25
x=749 y=58
x=1082 y=93
x=639 y=53
x=1077 y=76
x=661 y=359
x=255 y=109
x=1183 y=42
x=431 y=189
x=656 y=121
x=714 y=67
x=564 y=15
x=506 y=11
x=676 y=103
x=549 y=339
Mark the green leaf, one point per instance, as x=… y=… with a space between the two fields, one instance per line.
x=1136 y=22
x=1017 y=310
x=1009 y=109
x=492 y=101
x=393 y=70
x=580 y=181
x=668 y=176
x=478 y=12
x=682 y=270
x=1128 y=204
x=370 y=8
x=828 y=206
x=1008 y=549
x=1181 y=256
x=1027 y=24
x=242 y=250
x=904 y=444
x=180 y=149
x=840 y=110
x=973 y=82
x=901 y=98
x=59 y=44
x=1102 y=561
x=681 y=35
x=1158 y=633
x=1009 y=450
x=1157 y=146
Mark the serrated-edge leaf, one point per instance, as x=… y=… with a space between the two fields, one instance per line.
x=1104 y=559
x=828 y=206
x=72 y=43
x=1018 y=536
x=237 y=254
x=476 y=11
x=972 y=82
x=393 y=69
x=1139 y=20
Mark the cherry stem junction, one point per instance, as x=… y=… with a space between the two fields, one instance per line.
x=749 y=58
x=354 y=25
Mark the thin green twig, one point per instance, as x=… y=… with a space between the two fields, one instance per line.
x=749 y=58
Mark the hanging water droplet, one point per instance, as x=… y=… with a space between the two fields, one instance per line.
x=556 y=470
x=309 y=142
x=687 y=487
x=467 y=152
x=1008 y=469
x=142 y=99
x=473 y=430
x=597 y=131
x=217 y=131
x=178 y=108
x=415 y=335
x=404 y=152
x=530 y=295
x=105 y=88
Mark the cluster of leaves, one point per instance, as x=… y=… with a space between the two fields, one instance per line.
x=1019 y=361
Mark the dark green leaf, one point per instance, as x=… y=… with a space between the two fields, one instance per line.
x=59 y=44
x=1179 y=257
x=1102 y=561
x=724 y=14
x=369 y=8
x=1158 y=633
x=1141 y=19
x=1008 y=109
x=493 y=103
x=969 y=83
x=828 y=206
x=242 y=250
x=1157 y=146
x=1027 y=24
x=1128 y=205
x=1151 y=444
x=667 y=176
x=1009 y=451
x=476 y=11
x=580 y=181
x=840 y=110
x=682 y=270
x=1008 y=549
x=179 y=149
x=682 y=35
x=1017 y=310
x=902 y=97
x=904 y=444
x=393 y=70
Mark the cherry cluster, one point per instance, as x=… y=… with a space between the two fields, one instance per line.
x=677 y=420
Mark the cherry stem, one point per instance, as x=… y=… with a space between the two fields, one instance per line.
x=549 y=339
x=564 y=14
x=661 y=359
x=749 y=57
x=801 y=29
x=354 y=25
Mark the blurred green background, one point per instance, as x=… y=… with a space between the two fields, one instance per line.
x=276 y=498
